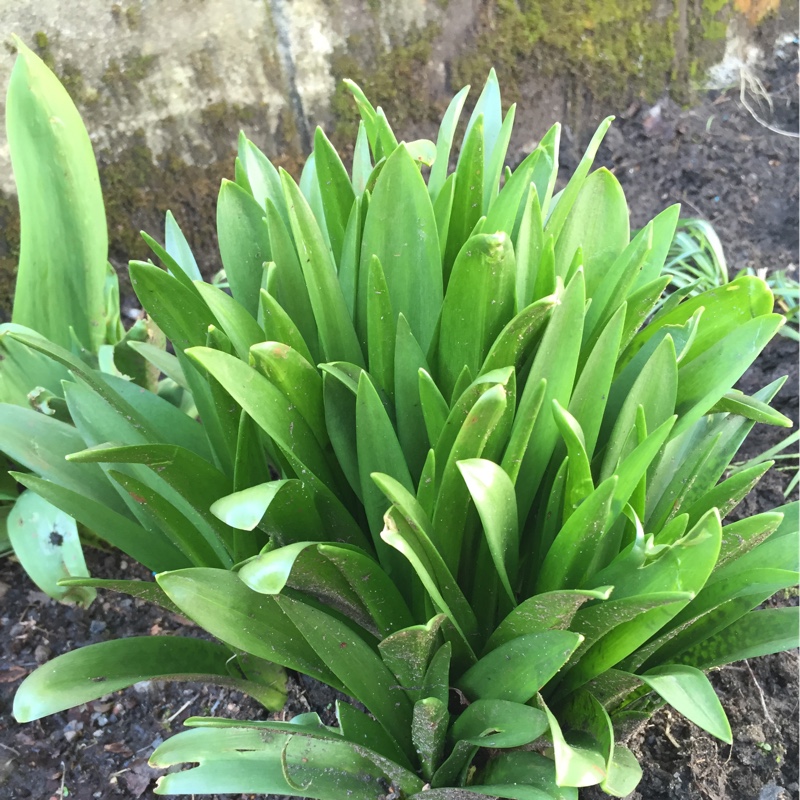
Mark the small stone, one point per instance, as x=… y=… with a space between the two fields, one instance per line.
x=773 y=792
x=4 y=587
x=70 y=736
x=97 y=626
x=41 y=653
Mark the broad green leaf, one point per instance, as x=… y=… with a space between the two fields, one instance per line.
x=244 y=244
x=728 y=494
x=758 y=633
x=452 y=506
x=238 y=325
x=705 y=379
x=654 y=390
x=744 y=534
x=558 y=216
x=495 y=155
x=173 y=267
x=499 y=723
x=291 y=511
x=664 y=225
x=336 y=191
x=356 y=665
x=280 y=327
x=299 y=381
x=41 y=443
x=351 y=254
x=435 y=410
x=163 y=361
x=556 y=362
x=579 y=482
x=623 y=773
x=690 y=693
x=277 y=758
x=265 y=183
x=525 y=770
x=344 y=578
x=99 y=669
x=490 y=110
x=337 y=336
x=515 y=671
x=146 y=546
x=222 y=605
x=735 y=402
x=467 y=207
x=444 y=143
x=524 y=422
x=63 y=240
x=493 y=494
x=598 y=224
x=268 y=407
x=362 y=160
x=176 y=309
x=549 y=610
x=409 y=652
x=428 y=733
x=148 y=591
x=176 y=245
x=528 y=249
x=442 y=211
x=411 y=431
x=571 y=558
x=578 y=764
x=405 y=239
x=45 y=540
x=290 y=289
x=372 y=426
x=363 y=730
x=478 y=304
x=380 y=328
x=589 y=398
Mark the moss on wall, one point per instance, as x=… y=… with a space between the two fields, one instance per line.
x=615 y=50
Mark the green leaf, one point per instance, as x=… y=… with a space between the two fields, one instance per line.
x=357 y=666
x=63 y=240
x=406 y=241
x=735 y=402
x=528 y=249
x=336 y=191
x=280 y=327
x=163 y=361
x=705 y=379
x=300 y=382
x=238 y=325
x=467 y=207
x=558 y=215
x=499 y=723
x=515 y=671
x=758 y=633
x=556 y=361
x=336 y=333
x=363 y=730
x=579 y=482
x=373 y=425
x=222 y=605
x=291 y=511
x=268 y=407
x=478 y=304
x=444 y=143
x=45 y=540
x=277 y=758
x=429 y=732
x=450 y=516
x=493 y=494
x=411 y=431
x=578 y=764
x=99 y=669
x=176 y=245
x=495 y=153
x=531 y=773
x=343 y=577
x=244 y=244
x=690 y=693
x=380 y=328
x=435 y=410
x=598 y=224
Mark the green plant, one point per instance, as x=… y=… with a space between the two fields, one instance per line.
x=497 y=517
x=696 y=263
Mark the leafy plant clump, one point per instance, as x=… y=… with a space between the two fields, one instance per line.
x=450 y=464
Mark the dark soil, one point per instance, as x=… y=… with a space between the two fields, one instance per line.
x=722 y=165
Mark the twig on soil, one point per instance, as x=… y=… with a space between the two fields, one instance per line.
x=10 y=749
x=760 y=695
x=183 y=707
x=749 y=81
